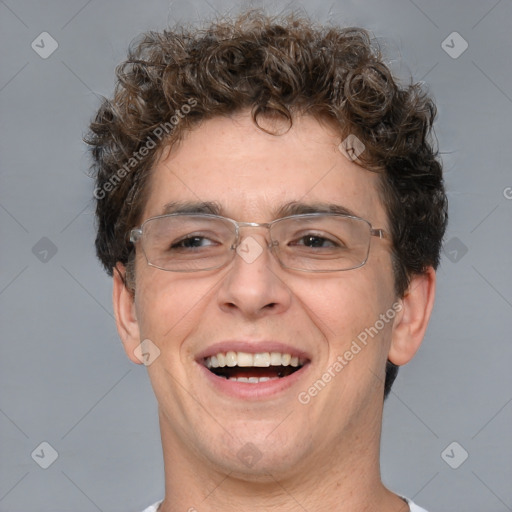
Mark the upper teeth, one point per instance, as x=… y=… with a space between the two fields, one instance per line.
x=245 y=359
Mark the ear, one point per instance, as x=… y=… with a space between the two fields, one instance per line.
x=124 y=311
x=411 y=322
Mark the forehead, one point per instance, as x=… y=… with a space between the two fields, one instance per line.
x=252 y=175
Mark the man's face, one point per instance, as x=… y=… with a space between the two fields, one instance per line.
x=259 y=307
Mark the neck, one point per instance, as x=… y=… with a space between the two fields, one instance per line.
x=345 y=478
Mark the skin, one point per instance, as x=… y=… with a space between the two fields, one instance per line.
x=323 y=455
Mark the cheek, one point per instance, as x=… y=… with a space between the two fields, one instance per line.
x=167 y=306
x=351 y=305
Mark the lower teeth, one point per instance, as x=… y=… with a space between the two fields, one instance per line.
x=251 y=380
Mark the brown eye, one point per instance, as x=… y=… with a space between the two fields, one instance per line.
x=192 y=242
x=316 y=241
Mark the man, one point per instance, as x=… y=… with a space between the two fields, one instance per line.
x=271 y=210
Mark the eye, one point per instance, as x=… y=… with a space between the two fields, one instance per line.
x=192 y=242
x=316 y=241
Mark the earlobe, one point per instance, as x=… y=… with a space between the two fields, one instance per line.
x=410 y=325
x=124 y=311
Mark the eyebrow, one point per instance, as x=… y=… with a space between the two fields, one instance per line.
x=191 y=207
x=299 y=208
x=291 y=208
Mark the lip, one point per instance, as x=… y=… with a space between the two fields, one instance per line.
x=253 y=391
x=246 y=390
x=252 y=347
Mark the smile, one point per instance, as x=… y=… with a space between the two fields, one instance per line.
x=253 y=368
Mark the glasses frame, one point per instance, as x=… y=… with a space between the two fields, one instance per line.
x=136 y=234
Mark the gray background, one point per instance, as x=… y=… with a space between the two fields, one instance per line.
x=64 y=378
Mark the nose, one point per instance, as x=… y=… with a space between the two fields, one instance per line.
x=253 y=286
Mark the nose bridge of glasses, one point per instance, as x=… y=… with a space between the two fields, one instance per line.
x=250 y=247
x=254 y=224
x=266 y=225
x=243 y=242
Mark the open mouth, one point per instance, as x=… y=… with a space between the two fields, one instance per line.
x=253 y=368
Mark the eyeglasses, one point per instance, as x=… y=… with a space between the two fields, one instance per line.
x=311 y=242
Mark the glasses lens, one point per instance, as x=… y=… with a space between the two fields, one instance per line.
x=311 y=242
x=187 y=243
x=322 y=243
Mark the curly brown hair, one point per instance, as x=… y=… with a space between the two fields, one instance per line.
x=273 y=66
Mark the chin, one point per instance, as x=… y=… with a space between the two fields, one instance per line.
x=252 y=455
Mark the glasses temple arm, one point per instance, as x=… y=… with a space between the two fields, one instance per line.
x=379 y=233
